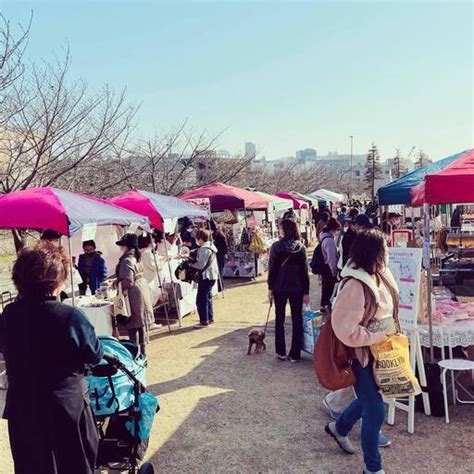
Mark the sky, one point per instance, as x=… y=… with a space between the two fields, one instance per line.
x=286 y=75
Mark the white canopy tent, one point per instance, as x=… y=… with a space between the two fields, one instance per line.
x=278 y=205
x=325 y=195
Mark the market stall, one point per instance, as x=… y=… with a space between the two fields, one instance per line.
x=452 y=184
x=233 y=208
x=445 y=320
x=77 y=217
x=163 y=213
x=276 y=208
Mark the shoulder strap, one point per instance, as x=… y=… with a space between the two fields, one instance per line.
x=395 y=301
x=209 y=261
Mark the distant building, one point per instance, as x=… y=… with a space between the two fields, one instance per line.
x=250 y=150
x=308 y=155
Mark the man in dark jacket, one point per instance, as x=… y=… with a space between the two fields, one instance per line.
x=361 y=222
x=91 y=267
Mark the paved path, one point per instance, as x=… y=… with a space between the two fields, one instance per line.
x=225 y=412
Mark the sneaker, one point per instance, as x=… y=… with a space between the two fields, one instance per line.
x=211 y=321
x=293 y=361
x=155 y=326
x=384 y=442
x=280 y=357
x=381 y=471
x=335 y=415
x=343 y=441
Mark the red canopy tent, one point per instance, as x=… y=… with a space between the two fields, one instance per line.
x=297 y=203
x=453 y=184
x=223 y=196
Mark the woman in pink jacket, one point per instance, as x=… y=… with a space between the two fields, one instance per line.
x=362 y=315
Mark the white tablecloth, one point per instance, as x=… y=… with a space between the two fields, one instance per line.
x=99 y=316
x=460 y=333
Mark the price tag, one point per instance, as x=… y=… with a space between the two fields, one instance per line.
x=88 y=231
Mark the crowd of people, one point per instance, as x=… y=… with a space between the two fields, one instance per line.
x=50 y=421
x=360 y=295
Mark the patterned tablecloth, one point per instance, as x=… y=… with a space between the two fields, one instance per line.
x=460 y=333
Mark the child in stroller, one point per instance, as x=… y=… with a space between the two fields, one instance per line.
x=123 y=408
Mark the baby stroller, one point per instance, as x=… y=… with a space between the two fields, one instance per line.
x=123 y=408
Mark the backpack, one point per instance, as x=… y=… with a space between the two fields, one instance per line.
x=318 y=265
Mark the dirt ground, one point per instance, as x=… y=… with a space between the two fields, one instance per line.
x=223 y=411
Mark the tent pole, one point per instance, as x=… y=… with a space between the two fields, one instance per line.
x=429 y=283
x=161 y=287
x=72 y=270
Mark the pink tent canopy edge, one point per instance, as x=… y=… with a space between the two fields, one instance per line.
x=453 y=184
x=16 y=208
x=297 y=204
x=223 y=196
x=136 y=202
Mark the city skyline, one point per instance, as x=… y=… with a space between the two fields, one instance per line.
x=286 y=76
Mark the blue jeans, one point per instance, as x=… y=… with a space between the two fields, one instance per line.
x=204 y=301
x=369 y=406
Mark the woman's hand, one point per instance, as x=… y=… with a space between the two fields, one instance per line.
x=270 y=297
x=306 y=300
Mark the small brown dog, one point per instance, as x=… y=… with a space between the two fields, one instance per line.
x=257 y=337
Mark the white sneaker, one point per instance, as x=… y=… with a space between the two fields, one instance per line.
x=343 y=441
x=374 y=472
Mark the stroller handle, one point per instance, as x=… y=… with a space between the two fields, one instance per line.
x=112 y=360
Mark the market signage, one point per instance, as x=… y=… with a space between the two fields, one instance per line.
x=405 y=264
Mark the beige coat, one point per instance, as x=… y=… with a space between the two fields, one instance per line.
x=363 y=312
x=130 y=273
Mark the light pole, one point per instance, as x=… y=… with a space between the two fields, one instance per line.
x=352 y=155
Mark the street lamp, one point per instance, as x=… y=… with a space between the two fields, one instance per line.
x=352 y=155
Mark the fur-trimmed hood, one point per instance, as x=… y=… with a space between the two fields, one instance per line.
x=349 y=271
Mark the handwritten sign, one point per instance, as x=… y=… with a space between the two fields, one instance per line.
x=88 y=231
x=405 y=264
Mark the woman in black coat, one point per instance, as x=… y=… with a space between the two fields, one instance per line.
x=288 y=282
x=46 y=345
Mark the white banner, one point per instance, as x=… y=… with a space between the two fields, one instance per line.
x=405 y=264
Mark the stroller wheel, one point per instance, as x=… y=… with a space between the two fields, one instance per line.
x=147 y=468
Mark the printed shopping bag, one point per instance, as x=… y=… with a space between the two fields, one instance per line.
x=312 y=323
x=121 y=307
x=392 y=369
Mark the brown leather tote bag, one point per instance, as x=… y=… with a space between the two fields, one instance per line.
x=333 y=360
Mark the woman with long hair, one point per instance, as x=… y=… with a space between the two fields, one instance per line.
x=329 y=273
x=46 y=345
x=288 y=281
x=363 y=315
x=130 y=276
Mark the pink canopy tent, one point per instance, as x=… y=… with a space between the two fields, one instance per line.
x=452 y=184
x=297 y=203
x=223 y=196
x=156 y=206
x=63 y=211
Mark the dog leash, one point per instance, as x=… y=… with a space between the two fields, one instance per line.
x=268 y=317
